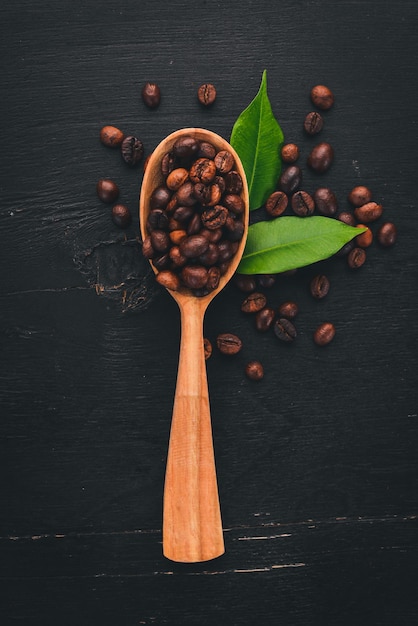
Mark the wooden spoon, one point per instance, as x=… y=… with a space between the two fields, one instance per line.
x=192 y=526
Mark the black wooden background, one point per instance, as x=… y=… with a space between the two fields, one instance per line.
x=317 y=464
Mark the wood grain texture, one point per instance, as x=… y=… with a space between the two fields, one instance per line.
x=317 y=465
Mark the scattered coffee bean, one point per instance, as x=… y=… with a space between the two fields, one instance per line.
x=151 y=95
x=265 y=281
x=285 y=330
x=111 y=136
x=290 y=153
x=356 y=258
x=121 y=215
x=288 y=309
x=245 y=282
x=276 y=203
x=290 y=179
x=228 y=343
x=107 y=190
x=359 y=195
x=386 y=235
x=319 y=286
x=313 y=123
x=322 y=97
x=347 y=218
x=264 y=319
x=369 y=212
x=207 y=348
x=302 y=203
x=324 y=334
x=254 y=370
x=132 y=150
x=325 y=201
x=364 y=240
x=321 y=157
x=254 y=303
x=346 y=248
x=206 y=94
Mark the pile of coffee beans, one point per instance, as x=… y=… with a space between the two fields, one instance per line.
x=196 y=217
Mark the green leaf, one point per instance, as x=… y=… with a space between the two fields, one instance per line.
x=289 y=242
x=258 y=138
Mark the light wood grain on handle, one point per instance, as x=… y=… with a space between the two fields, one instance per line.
x=192 y=527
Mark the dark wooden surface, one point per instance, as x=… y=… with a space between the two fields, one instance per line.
x=317 y=464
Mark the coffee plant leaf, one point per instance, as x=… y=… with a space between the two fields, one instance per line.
x=257 y=138
x=287 y=243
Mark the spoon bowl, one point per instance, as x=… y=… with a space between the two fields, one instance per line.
x=192 y=526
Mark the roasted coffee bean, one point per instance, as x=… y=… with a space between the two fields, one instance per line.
x=206 y=150
x=233 y=182
x=177 y=258
x=168 y=279
x=147 y=249
x=264 y=319
x=203 y=171
x=321 y=157
x=290 y=153
x=322 y=97
x=359 y=195
x=176 y=178
x=177 y=235
x=132 y=150
x=213 y=277
x=183 y=213
x=285 y=330
x=107 y=190
x=207 y=348
x=325 y=201
x=356 y=258
x=195 y=225
x=346 y=249
x=364 y=240
x=212 y=235
x=111 y=136
x=386 y=235
x=265 y=281
x=121 y=215
x=254 y=303
x=224 y=161
x=290 y=179
x=157 y=219
x=151 y=95
x=186 y=147
x=235 y=229
x=319 y=286
x=324 y=334
x=185 y=194
x=302 y=203
x=194 y=276
x=173 y=224
x=206 y=94
x=210 y=256
x=162 y=261
x=369 y=212
x=347 y=218
x=228 y=343
x=220 y=182
x=245 y=282
x=168 y=164
x=276 y=203
x=160 y=198
x=193 y=245
x=214 y=217
x=160 y=240
x=254 y=370
x=288 y=309
x=226 y=250
x=313 y=123
x=234 y=203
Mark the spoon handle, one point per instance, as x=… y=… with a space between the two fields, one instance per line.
x=192 y=526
